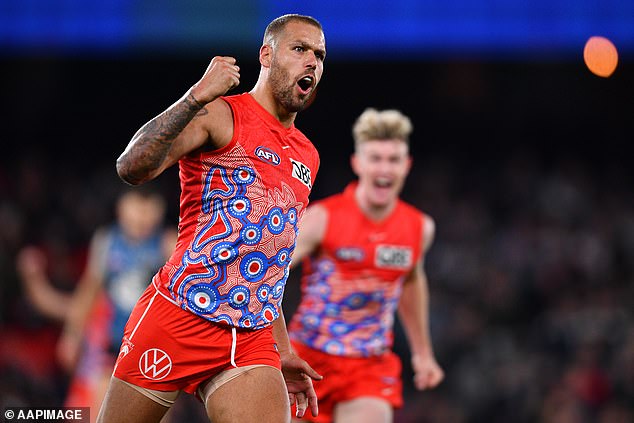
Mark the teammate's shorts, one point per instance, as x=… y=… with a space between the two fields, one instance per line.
x=348 y=378
x=166 y=348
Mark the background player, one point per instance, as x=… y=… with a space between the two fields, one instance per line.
x=363 y=253
x=121 y=259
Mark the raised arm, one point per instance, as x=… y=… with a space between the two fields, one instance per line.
x=83 y=300
x=31 y=266
x=413 y=311
x=194 y=120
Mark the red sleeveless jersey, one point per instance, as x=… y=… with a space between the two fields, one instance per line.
x=352 y=285
x=239 y=210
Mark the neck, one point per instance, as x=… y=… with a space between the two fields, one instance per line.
x=262 y=93
x=372 y=212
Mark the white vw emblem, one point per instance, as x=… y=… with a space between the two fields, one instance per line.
x=155 y=364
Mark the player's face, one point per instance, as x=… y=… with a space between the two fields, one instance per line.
x=382 y=167
x=297 y=64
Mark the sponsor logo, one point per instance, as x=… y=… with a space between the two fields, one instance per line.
x=155 y=364
x=393 y=256
x=267 y=155
x=349 y=254
x=302 y=172
x=126 y=347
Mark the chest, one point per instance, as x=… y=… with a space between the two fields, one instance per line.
x=279 y=154
x=356 y=245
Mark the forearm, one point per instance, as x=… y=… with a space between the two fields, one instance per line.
x=281 y=334
x=80 y=306
x=49 y=301
x=149 y=147
x=414 y=316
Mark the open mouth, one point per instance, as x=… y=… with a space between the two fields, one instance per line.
x=306 y=83
x=383 y=183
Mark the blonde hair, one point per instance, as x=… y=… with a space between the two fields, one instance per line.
x=381 y=125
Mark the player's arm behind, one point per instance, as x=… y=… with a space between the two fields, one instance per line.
x=413 y=312
x=296 y=370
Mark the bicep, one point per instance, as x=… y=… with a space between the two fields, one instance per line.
x=212 y=126
x=427 y=239
x=417 y=274
x=312 y=229
x=429 y=232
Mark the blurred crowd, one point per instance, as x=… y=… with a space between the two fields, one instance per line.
x=532 y=291
x=531 y=278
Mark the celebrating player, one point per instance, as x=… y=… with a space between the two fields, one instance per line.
x=208 y=324
x=363 y=253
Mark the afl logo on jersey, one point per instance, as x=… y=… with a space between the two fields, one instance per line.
x=267 y=155
x=349 y=254
x=302 y=172
x=393 y=256
x=155 y=364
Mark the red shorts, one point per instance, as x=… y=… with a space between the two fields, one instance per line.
x=347 y=378
x=166 y=348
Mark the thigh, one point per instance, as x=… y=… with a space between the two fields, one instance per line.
x=258 y=395
x=363 y=410
x=124 y=404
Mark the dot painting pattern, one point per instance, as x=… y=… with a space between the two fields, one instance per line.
x=239 y=242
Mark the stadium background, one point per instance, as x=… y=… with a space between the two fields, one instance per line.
x=521 y=154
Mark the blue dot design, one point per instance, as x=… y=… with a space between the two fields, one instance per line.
x=199 y=289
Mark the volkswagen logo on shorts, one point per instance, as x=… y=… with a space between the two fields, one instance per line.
x=155 y=364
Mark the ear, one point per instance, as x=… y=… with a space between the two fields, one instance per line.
x=266 y=55
x=354 y=163
x=410 y=162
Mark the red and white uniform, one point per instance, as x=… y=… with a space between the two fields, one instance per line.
x=351 y=288
x=239 y=214
x=352 y=285
x=240 y=208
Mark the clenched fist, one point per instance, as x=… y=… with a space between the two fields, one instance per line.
x=221 y=75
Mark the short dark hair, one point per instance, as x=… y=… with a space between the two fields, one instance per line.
x=277 y=25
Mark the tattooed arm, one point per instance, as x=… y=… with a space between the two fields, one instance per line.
x=196 y=119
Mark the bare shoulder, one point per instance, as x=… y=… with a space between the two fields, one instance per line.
x=316 y=216
x=429 y=231
x=313 y=225
x=217 y=118
x=99 y=239
x=312 y=229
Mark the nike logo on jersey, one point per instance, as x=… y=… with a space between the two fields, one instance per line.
x=376 y=236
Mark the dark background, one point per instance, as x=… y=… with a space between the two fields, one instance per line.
x=521 y=155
